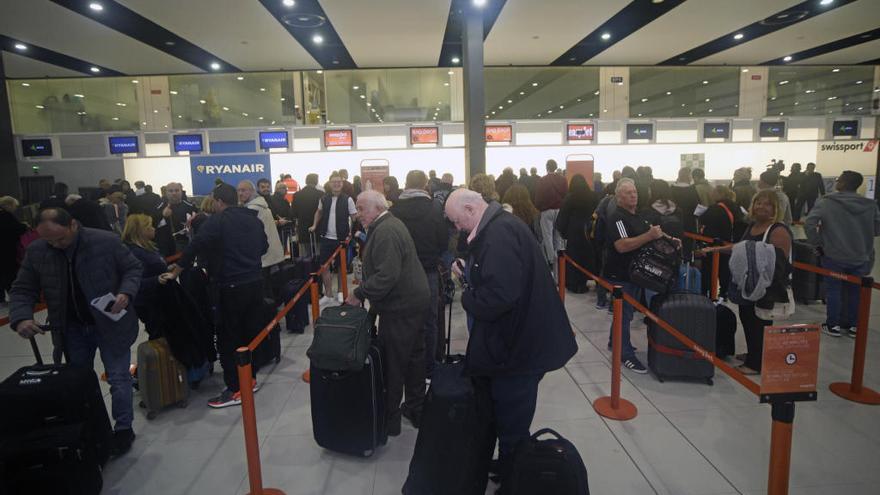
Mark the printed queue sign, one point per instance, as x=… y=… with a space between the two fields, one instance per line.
x=580 y=132
x=790 y=361
x=337 y=137
x=424 y=135
x=499 y=134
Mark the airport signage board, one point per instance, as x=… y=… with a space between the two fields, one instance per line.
x=273 y=139
x=424 y=135
x=123 y=144
x=338 y=137
x=36 y=147
x=499 y=133
x=790 y=361
x=231 y=169
x=579 y=132
x=639 y=131
x=188 y=142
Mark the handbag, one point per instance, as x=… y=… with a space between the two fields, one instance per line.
x=656 y=265
x=779 y=311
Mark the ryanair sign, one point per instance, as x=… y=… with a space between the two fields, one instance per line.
x=232 y=169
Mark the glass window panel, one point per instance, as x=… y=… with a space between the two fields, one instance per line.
x=232 y=100
x=542 y=92
x=683 y=92
x=315 y=97
x=42 y=106
x=387 y=95
x=820 y=90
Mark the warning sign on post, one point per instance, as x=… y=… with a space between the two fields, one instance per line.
x=790 y=362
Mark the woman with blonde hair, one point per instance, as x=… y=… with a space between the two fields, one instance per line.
x=485 y=185
x=139 y=236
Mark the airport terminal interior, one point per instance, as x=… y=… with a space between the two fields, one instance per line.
x=197 y=92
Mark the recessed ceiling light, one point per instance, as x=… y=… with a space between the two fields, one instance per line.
x=860 y=108
x=479 y=3
x=832 y=98
x=606 y=36
x=134 y=81
x=120 y=104
x=170 y=43
x=549 y=111
x=787 y=58
x=835 y=70
x=605 y=110
x=534 y=84
x=773 y=98
x=745 y=70
x=77 y=95
x=684 y=104
x=115 y=118
x=319 y=72
x=781 y=113
x=738 y=36
x=240 y=78
x=317 y=39
x=215 y=66
x=640 y=115
x=180 y=116
x=644 y=100
x=561 y=107
x=710 y=110
x=97 y=7
x=450 y=73
x=859 y=82
x=810 y=91
x=95 y=69
x=708 y=100
x=705 y=82
x=20 y=46
x=40 y=106
x=522 y=93
x=263 y=89
x=509 y=101
x=27 y=85
x=155 y=111
x=363 y=97
x=355 y=88
x=656 y=1
x=668 y=93
x=226 y=109
x=500 y=107
x=492 y=112
x=283 y=99
x=783 y=82
x=578 y=99
x=288 y=3
x=446 y=84
x=826 y=2
x=202 y=102
x=455 y=60
x=797 y=103
x=596 y=93
x=243 y=114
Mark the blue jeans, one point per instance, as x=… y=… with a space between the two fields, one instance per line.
x=845 y=317
x=627 y=349
x=80 y=342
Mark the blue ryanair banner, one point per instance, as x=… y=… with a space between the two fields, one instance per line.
x=231 y=169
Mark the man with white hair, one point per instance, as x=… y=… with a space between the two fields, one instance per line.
x=519 y=329
x=395 y=284
x=248 y=197
x=170 y=219
x=626 y=233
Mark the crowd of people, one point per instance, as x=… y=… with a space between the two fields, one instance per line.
x=500 y=239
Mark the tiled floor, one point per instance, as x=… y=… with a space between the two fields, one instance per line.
x=688 y=439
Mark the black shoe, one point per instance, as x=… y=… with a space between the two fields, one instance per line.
x=393 y=429
x=414 y=417
x=122 y=440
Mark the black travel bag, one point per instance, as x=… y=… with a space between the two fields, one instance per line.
x=656 y=266
x=269 y=349
x=55 y=433
x=297 y=319
x=542 y=467
x=456 y=435
x=807 y=286
x=694 y=316
x=725 y=331
x=348 y=407
x=342 y=338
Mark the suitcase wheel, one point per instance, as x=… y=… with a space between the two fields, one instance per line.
x=151 y=415
x=143 y=405
x=710 y=382
x=661 y=379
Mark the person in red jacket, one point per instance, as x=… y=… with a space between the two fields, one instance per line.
x=549 y=193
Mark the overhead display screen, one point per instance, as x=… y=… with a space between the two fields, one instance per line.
x=717 y=130
x=123 y=144
x=337 y=137
x=424 y=135
x=580 y=132
x=36 y=147
x=845 y=128
x=771 y=129
x=499 y=133
x=273 y=139
x=639 y=131
x=188 y=142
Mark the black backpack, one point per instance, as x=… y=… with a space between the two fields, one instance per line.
x=655 y=267
x=544 y=467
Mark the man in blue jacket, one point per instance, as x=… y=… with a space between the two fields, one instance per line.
x=72 y=265
x=232 y=242
x=519 y=329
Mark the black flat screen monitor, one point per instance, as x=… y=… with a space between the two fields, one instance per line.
x=845 y=128
x=36 y=147
x=772 y=129
x=188 y=142
x=716 y=130
x=123 y=144
x=639 y=131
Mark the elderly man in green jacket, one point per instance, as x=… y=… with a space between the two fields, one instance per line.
x=395 y=284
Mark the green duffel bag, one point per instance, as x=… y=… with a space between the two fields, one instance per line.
x=342 y=339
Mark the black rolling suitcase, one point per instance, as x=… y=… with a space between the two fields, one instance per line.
x=297 y=319
x=55 y=434
x=694 y=316
x=551 y=465
x=725 y=331
x=456 y=435
x=269 y=349
x=807 y=286
x=348 y=407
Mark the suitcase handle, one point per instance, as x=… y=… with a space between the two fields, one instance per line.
x=36 y=350
x=546 y=431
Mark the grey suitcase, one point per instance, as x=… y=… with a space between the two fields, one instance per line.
x=694 y=316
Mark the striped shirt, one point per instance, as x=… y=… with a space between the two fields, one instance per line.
x=621 y=225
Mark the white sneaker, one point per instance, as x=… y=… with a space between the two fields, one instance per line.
x=326 y=300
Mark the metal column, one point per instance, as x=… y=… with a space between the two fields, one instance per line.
x=8 y=166
x=474 y=96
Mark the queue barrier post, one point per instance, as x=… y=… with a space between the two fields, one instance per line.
x=249 y=421
x=343 y=271
x=613 y=406
x=316 y=312
x=855 y=390
x=716 y=261
x=780 y=447
x=560 y=273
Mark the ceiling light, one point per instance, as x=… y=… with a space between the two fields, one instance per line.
x=596 y=93
x=288 y=3
x=683 y=105
x=319 y=72
x=180 y=116
x=606 y=36
x=263 y=89
x=95 y=69
x=511 y=101
x=215 y=66
x=226 y=109
x=668 y=93
x=705 y=82
x=115 y=118
x=810 y=91
x=243 y=114
x=317 y=39
x=155 y=111
x=832 y=98
x=797 y=103
x=446 y=84
x=835 y=70
x=479 y=3
x=640 y=115
x=522 y=93
x=97 y=7
x=27 y=85
x=77 y=95
x=738 y=36
x=455 y=60
x=787 y=58
x=20 y=46
x=450 y=73
x=708 y=100
x=826 y=2
x=173 y=92
x=120 y=104
x=202 y=102
x=492 y=112
x=783 y=82
x=549 y=111
x=745 y=70
x=644 y=100
x=40 y=107
x=363 y=97
x=355 y=88
x=283 y=99
x=710 y=110
x=240 y=78
x=781 y=113
x=773 y=99
x=859 y=82
x=690 y=113
x=656 y=1
x=605 y=110
x=578 y=99
x=861 y=108
x=500 y=107
x=369 y=104
x=534 y=84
